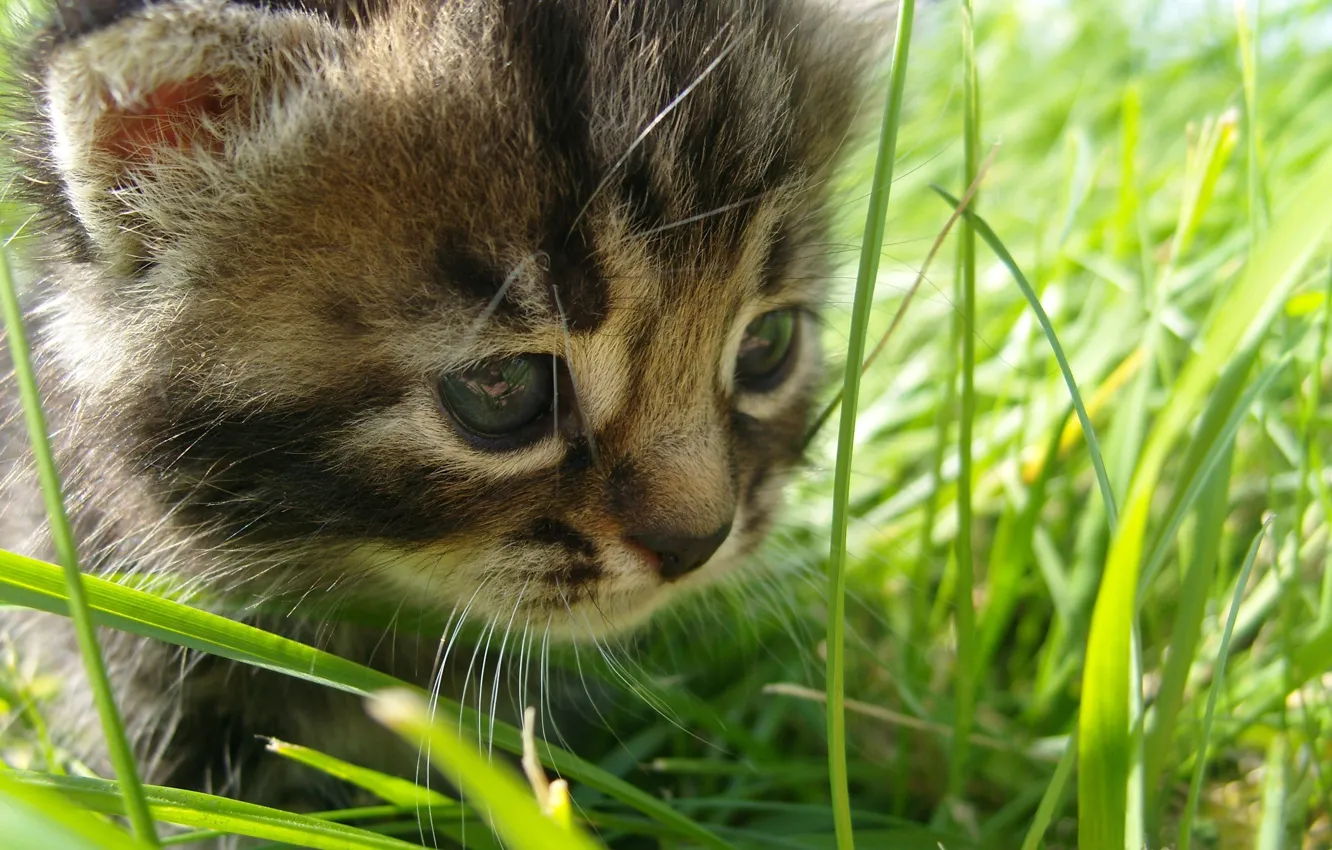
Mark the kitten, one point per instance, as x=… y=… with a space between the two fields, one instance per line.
x=504 y=309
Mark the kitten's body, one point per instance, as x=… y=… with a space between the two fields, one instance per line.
x=273 y=239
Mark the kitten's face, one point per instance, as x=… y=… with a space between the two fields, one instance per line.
x=505 y=305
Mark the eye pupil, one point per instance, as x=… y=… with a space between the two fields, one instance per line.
x=501 y=398
x=765 y=350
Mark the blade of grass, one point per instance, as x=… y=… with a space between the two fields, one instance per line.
x=1187 y=628
x=964 y=586
x=1249 y=71
x=1205 y=475
x=875 y=222
x=206 y=811
x=1012 y=553
x=908 y=721
x=1207 y=156
x=1313 y=449
x=1226 y=406
x=1207 y=159
x=359 y=813
x=915 y=618
x=475 y=838
x=1054 y=795
x=390 y=789
x=1214 y=694
x=34 y=584
x=1055 y=791
x=1088 y=430
x=910 y=294
x=1206 y=470
x=62 y=535
x=1245 y=312
x=1134 y=818
x=38 y=585
x=500 y=796
x=1272 y=827
x=1126 y=213
x=37 y=819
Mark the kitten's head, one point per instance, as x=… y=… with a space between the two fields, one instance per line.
x=506 y=304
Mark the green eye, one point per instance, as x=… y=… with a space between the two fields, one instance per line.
x=507 y=399
x=765 y=350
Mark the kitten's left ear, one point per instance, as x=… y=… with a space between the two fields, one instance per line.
x=156 y=96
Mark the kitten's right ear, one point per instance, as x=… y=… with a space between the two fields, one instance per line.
x=150 y=97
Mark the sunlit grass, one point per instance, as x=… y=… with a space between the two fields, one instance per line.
x=866 y=277
x=62 y=535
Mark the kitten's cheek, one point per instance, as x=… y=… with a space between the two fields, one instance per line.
x=432 y=577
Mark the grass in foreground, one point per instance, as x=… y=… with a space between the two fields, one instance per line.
x=1164 y=189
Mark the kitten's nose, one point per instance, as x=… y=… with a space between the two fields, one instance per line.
x=681 y=554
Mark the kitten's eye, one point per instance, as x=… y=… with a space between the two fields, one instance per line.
x=506 y=399
x=765 y=351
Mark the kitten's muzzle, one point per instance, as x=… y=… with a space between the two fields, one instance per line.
x=678 y=554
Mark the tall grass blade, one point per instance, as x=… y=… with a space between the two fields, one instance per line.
x=1214 y=694
x=1226 y=406
x=62 y=535
x=1186 y=630
x=37 y=819
x=1206 y=469
x=964 y=610
x=206 y=811
x=906 y=299
x=1312 y=448
x=359 y=813
x=1245 y=312
x=1245 y=36
x=391 y=789
x=1126 y=213
x=1134 y=817
x=1207 y=159
x=1014 y=549
x=1272 y=828
x=1088 y=430
x=875 y=221
x=1054 y=795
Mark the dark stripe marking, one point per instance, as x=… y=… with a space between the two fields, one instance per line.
x=554 y=532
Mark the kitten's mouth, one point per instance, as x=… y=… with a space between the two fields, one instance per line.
x=639 y=576
x=612 y=585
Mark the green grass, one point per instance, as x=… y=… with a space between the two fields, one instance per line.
x=1067 y=635
x=866 y=277
x=62 y=535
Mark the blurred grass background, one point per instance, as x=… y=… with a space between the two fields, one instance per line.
x=1130 y=177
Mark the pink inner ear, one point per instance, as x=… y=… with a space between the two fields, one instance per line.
x=169 y=116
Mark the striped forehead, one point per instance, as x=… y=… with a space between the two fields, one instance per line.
x=625 y=155
x=571 y=280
